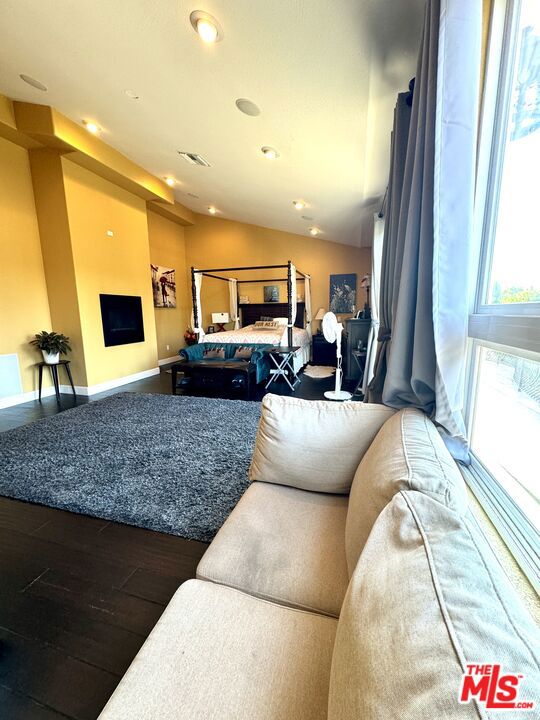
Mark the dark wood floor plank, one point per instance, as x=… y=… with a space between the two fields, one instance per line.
x=23 y=516
x=58 y=681
x=100 y=604
x=154 y=586
x=72 y=632
x=19 y=546
x=134 y=546
x=19 y=707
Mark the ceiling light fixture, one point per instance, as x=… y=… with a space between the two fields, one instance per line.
x=91 y=127
x=314 y=231
x=299 y=204
x=206 y=26
x=171 y=182
x=212 y=210
x=247 y=107
x=33 y=82
x=269 y=152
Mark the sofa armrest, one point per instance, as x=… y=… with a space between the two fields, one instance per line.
x=314 y=445
x=192 y=352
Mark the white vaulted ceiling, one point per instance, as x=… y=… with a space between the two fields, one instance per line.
x=324 y=73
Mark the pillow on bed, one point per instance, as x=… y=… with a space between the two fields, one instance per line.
x=214 y=353
x=271 y=325
x=243 y=353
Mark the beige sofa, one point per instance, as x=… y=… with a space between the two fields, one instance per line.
x=351 y=582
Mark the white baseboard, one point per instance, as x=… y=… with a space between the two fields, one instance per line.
x=11 y=400
x=20 y=398
x=109 y=384
x=167 y=361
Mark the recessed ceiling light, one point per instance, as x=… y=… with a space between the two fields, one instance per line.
x=33 y=82
x=91 y=127
x=314 y=231
x=206 y=26
x=247 y=107
x=171 y=182
x=269 y=152
x=299 y=204
x=132 y=94
x=212 y=210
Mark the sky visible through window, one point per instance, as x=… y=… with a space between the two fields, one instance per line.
x=515 y=272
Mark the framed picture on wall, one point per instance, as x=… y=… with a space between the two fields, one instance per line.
x=343 y=293
x=271 y=293
x=163 y=286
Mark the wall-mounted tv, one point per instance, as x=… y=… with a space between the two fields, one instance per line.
x=122 y=319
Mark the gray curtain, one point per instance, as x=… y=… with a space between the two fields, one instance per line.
x=426 y=261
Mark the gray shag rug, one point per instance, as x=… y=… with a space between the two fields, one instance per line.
x=174 y=464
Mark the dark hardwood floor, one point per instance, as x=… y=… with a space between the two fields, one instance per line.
x=79 y=595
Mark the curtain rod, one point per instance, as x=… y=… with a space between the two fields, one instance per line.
x=268 y=280
x=380 y=214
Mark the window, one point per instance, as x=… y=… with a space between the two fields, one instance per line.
x=503 y=411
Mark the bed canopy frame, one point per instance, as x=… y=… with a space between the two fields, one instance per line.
x=293 y=275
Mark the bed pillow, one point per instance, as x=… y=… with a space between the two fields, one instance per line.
x=313 y=444
x=428 y=598
x=271 y=325
x=214 y=353
x=243 y=353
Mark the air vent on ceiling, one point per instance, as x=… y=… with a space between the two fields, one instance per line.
x=193 y=158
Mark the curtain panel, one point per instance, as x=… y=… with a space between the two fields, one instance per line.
x=233 y=302
x=428 y=237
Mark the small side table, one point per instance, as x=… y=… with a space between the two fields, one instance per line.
x=360 y=357
x=54 y=374
x=282 y=359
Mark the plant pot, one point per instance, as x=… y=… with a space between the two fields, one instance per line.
x=50 y=358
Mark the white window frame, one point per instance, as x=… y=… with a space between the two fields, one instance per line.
x=512 y=328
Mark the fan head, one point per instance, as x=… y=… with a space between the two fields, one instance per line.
x=330 y=327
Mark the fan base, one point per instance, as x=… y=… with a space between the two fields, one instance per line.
x=337 y=395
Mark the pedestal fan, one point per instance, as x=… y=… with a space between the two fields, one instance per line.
x=332 y=331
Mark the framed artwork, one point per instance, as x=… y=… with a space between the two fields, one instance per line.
x=163 y=286
x=343 y=293
x=271 y=293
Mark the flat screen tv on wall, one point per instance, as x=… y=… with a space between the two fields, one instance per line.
x=122 y=319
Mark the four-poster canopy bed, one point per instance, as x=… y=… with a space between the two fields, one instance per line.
x=297 y=332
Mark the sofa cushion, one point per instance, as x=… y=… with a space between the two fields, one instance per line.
x=243 y=352
x=284 y=545
x=407 y=454
x=314 y=445
x=427 y=598
x=219 y=654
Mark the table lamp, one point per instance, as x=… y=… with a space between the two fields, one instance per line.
x=321 y=312
x=220 y=318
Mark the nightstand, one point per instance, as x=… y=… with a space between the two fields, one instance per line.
x=324 y=353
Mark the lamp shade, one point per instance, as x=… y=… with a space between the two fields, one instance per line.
x=321 y=312
x=220 y=317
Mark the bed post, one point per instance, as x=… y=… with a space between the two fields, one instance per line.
x=289 y=305
x=194 y=301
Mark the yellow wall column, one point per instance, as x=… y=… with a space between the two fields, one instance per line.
x=24 y=307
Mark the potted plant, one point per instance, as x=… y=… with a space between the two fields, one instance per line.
x=190 y=337
x=52 y=345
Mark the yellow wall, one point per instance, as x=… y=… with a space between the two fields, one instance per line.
x=168 y=249
x=49 y=193
x=214 y=242
x=24 y=308
x=119 y=265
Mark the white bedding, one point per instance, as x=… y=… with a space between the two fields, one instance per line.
x=251 y=334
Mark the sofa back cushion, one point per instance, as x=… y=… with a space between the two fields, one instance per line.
x=427 y=598
x=313 y=445
x=407 y=454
